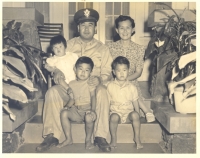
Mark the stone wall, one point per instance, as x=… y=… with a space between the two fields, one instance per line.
x=12 y=141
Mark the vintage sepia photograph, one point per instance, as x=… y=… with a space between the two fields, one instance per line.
x=89 y=77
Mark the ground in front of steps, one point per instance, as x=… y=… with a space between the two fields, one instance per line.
x=123 y=148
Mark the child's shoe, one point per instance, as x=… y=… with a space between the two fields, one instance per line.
x=150 y=116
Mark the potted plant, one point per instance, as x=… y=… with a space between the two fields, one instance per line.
x=177 y=37
x=21 y=67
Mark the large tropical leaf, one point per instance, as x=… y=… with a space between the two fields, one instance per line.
x=38 y=69
x=14 y=93
x=172 y=85
x=185 y=59
x=19 y=53
x=193 y=42
x=174 y=72
x=190 y=91
x=16 y=63
x=7 y=109
x=151 y=47
x=25 y=82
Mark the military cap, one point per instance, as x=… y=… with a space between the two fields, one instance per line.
x=86 y=14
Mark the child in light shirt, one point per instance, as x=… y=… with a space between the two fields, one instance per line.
x=62 y=60
x=123 y=98
x=84 y=106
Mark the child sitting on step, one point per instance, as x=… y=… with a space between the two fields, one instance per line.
x=85 y=103
x=123 y=98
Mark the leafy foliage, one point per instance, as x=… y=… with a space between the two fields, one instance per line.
x=21 y=66
x=177 y=37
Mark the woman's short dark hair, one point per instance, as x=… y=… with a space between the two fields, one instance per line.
x=120 y=60
x=58 y=39
x=85 y=60
x=124 y=18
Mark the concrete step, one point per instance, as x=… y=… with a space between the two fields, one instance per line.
x=78 y=148
x=173 y=121
x=150 y=132
x=24 y=112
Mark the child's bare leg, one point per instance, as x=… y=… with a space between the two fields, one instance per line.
x=89 y=128
x=114 y=120
x=144 y=108
x=135 y=119
x=66 y=125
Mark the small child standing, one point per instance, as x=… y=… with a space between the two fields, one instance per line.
x=85 y=103
x=62 y=60
x=124 y=105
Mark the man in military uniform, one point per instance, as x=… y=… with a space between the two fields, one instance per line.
x=84 y=45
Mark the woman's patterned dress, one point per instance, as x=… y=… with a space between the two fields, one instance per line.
x=134 y=53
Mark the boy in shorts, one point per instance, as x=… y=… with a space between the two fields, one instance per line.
x=123 y=98
x=84 y=97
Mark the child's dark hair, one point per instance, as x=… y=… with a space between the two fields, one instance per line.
x=124 y=18
x=120 y=60
x=58 y=39
x=85 y=60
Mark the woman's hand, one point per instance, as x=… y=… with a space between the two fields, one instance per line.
x=94 y=81
x=58 y=76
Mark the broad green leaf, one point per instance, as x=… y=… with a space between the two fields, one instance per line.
x=186 y=79
x=17 y=63
x=25 y=82
x=174 y=73
x=189 y=91
x=185 y=59
x=4 y=49
x=184 y=33
x=193 y=42
x=7 y=73
x=40 y=72
x=19 y=53
x=159 y=43
x=7 y=109
x=171 y=86
x=14 y=93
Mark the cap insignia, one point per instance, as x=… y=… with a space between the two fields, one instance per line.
x=87 y=13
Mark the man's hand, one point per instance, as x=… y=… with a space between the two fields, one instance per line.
x=94 y=81
x=58 y=76
x=92 y=114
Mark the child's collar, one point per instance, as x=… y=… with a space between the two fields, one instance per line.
x=125 y=83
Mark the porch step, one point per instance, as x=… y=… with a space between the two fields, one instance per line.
x=150 y=132
x=173 y=121
x=24 y=112
x=78 y=148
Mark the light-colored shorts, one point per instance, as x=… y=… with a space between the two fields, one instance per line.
x=78 y=113
x=124 y=119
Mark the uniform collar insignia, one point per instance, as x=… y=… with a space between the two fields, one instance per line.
x=87 y=13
